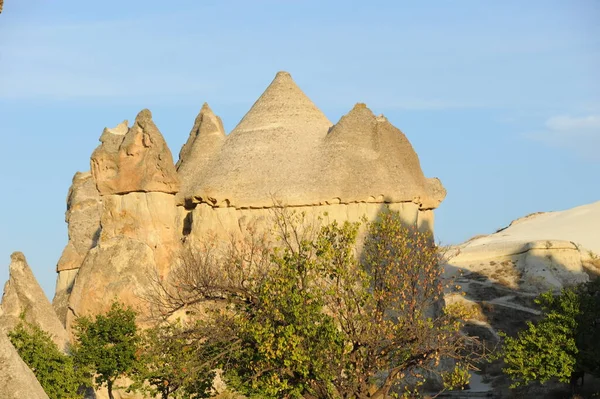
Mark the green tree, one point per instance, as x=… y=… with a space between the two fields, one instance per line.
x=171 y=365
x=53 y=369
x=311 y=319
x=107 y=344
x=564 y=342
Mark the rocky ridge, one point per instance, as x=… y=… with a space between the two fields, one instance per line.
x=131 y=215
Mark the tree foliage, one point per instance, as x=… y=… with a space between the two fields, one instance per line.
x=106 y=344
x=170 y=365
x=54 y=370
x=565 y=341
x=308 y=317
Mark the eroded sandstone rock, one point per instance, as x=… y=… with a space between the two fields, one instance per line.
x=537 y=252
x=134 y=159
x=138 y=238
x=24 y=296
x=84 y=208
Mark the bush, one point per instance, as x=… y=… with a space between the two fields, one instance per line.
x=53 y=369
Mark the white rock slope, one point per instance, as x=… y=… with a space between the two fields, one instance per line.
x=536 y=252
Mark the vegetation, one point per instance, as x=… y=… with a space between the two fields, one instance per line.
x=309 y=319
x=53 y=369
x=299 y=317
x=107 y=344
x=565 y=343
x=170 y=365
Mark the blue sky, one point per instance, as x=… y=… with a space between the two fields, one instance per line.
x=501 y=100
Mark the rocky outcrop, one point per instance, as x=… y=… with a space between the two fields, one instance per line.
x=366 y=158
x=84 y=208
x=199 y=152
x=284 y=152
x=17 y=381
x=135 y=159
x=269 y=153
x=286 y=148
x=537 y=252
x=24 y=296
x=138 y=236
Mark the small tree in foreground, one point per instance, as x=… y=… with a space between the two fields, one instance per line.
x=170 y=365
x=54 y=370
x=563 y=344
x=106 y=344
x=306 y=318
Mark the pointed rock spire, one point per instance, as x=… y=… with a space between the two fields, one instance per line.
x=135 y=160
x=366 y=157
x=23 y=294
x=283 y=103
x=355 y=129
x=203 y=145
x=269 y=153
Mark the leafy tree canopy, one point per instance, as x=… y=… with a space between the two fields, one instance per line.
x=53 y=369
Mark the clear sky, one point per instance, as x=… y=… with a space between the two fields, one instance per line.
x=501 y=100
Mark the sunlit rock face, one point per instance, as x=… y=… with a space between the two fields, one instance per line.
x=537 y=252
x=130 y=216
x=23 y=297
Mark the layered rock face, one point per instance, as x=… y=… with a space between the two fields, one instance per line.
x=84 y=208
x=136 y=182
x=537 y=252
x=23 y=296
x=130 y=217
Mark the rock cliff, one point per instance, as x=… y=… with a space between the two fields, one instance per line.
x=136 y=182
x=129 y=217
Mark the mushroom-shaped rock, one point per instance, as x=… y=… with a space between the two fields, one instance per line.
x=23 y=295
x=198 y=153
x=17 y=381
x=136 y=159
x=270 y=152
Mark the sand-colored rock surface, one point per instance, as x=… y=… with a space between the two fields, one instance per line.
x=84 y=208
x=134 y=159
x=284 y=151
x=138 y=237
x=286 y=148
x=199 y=152
x=537 y=252
x=269 y=153
x=17 y=381
x=23 y=295
x=366 y=158
x=118 y=268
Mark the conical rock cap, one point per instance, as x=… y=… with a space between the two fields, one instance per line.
x=270 y=152
x=23 y=295
x=203 y=145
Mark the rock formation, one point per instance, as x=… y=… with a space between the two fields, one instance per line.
x=134 y=160
x=130 y=216
x=537 y=252
x=199 y=152
x=136 y=180
x=17 y=381
x=84 y=209
x=24 y=296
